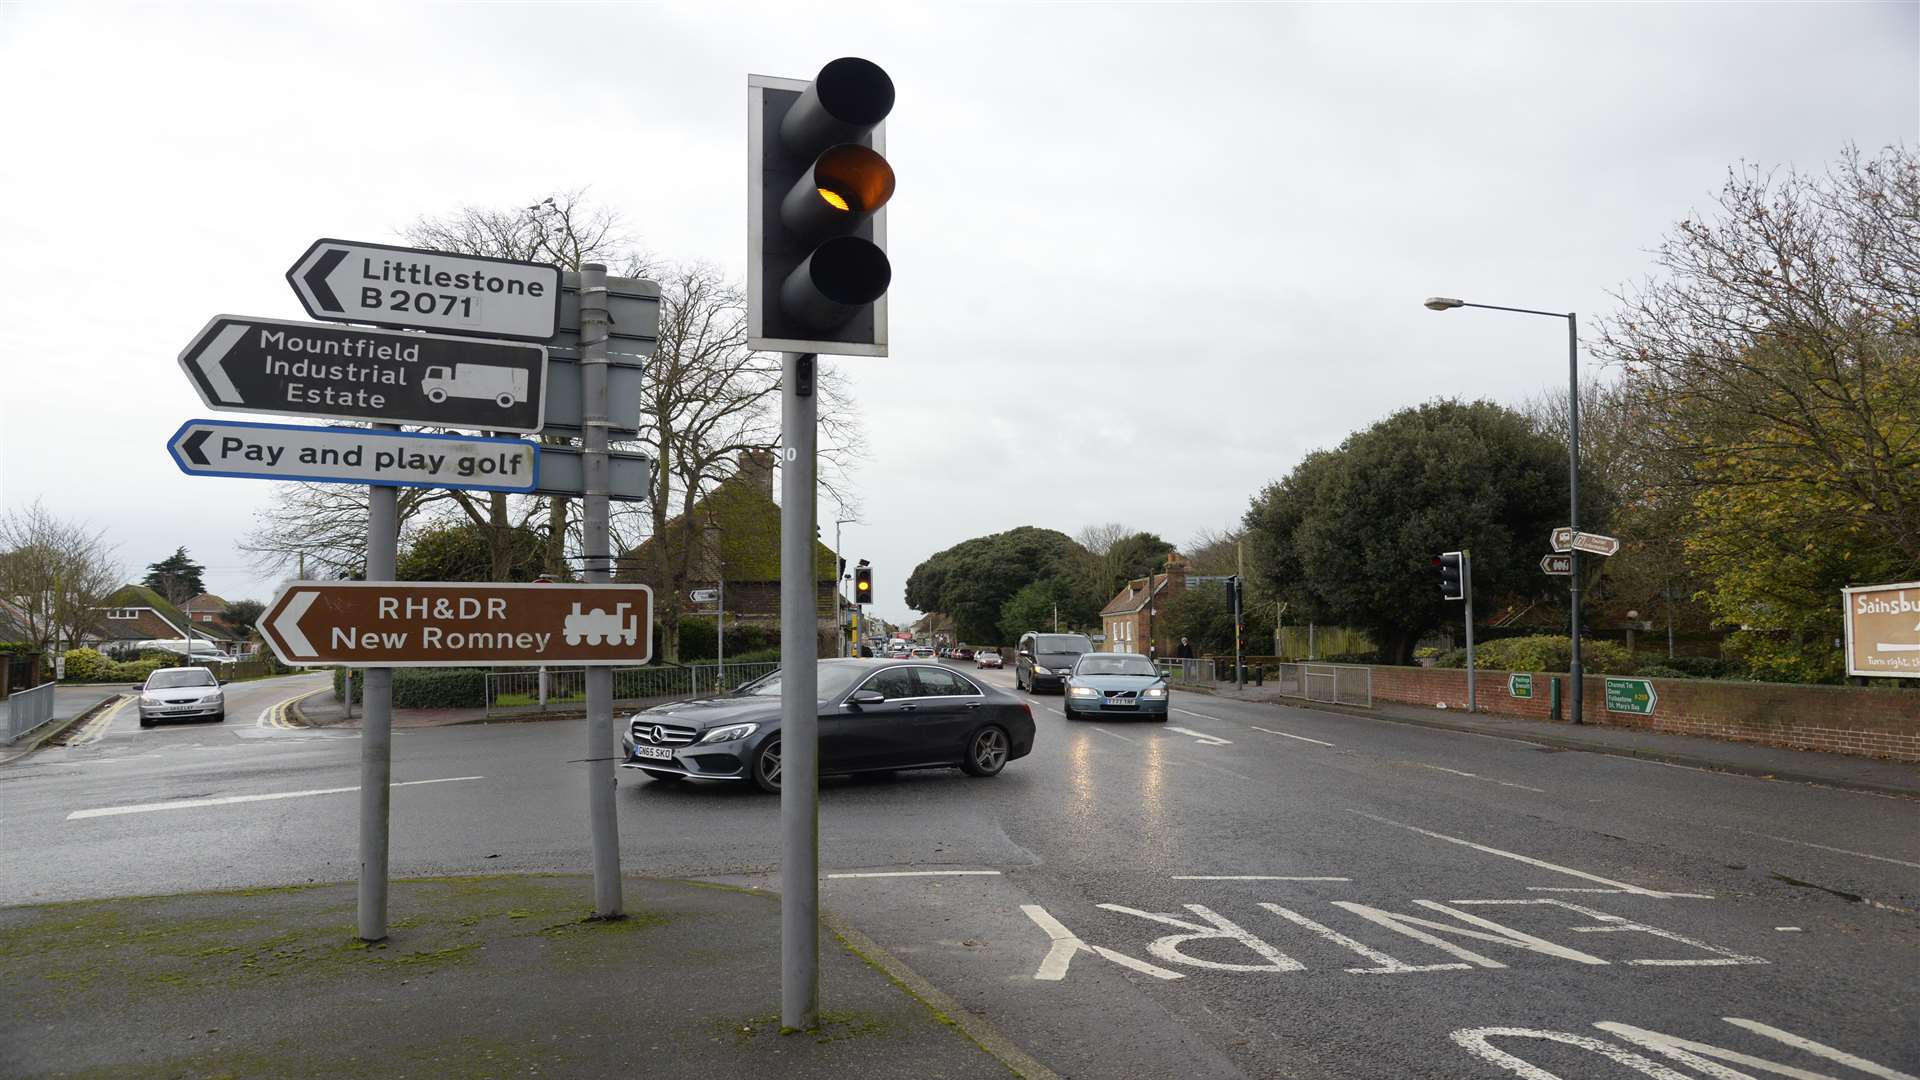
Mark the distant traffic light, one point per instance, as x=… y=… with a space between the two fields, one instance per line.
x=862 y=583
x=1452 y=574
x=817 y=181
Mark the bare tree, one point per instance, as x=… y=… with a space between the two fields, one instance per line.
x=322 y=528
x=1098 y=539
x=55 y=573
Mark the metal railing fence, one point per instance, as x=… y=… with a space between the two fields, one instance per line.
x=26 y=711
x=1339 y=684
x=535 y=690
x=1178 y=671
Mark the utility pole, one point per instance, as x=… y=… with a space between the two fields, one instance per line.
x=1466 y=576
x=376 y=724
x=799 y=716
x=1239 y=587
x=596 y=538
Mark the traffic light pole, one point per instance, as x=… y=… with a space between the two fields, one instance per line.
x=1578 y=683
x=1466 y=589
x=596 y=538
x=799 y=707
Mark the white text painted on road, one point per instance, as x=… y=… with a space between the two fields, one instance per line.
x=190 y=804
x=1689 y=1052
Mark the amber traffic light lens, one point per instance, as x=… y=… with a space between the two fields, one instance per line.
x=853 y=178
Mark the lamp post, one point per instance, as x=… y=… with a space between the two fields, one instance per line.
x=839 y=591
x=1447 y=303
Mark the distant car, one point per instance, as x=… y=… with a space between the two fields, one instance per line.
x=987 y=658
x=924 y=652
x=874 y=717
x=1042 y=661
x=1115 y=684
x=963 y=653
x=181 y=693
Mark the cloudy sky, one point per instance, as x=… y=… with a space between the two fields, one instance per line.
x=1146 y=255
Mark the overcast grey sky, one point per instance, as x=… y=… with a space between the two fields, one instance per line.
x=1146 y=255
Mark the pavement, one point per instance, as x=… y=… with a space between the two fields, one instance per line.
x=492 y=976
x=1722 y=755
x=70 y=703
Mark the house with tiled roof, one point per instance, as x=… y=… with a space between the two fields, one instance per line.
x=1129 y=618
x=135 y=614
x=736 y=538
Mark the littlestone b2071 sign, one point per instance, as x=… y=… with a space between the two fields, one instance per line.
x=349 y=281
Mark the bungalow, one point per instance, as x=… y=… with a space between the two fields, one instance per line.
x=134 y=615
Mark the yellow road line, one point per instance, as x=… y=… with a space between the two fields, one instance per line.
x=96 y=728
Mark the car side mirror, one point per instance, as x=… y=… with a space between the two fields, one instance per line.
x=138 y=686
x=867 y=697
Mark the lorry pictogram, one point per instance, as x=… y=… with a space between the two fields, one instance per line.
x=597 y=626
x=504 y=386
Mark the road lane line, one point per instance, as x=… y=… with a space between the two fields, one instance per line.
x=1302 y=738
x=96 y=729
x=1541 y=863
x=1104 y=731
x=1476 y=776
x=920 y=873
x=1252 y=877
x=1202 y=737
x=189 y=804
x=1823 y=847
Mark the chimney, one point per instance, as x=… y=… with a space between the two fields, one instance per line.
x=756 y=468
x=1176 y=572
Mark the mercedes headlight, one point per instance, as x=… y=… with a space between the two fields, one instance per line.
x=1154 y=692
x=729 y=733
x=1084 y=691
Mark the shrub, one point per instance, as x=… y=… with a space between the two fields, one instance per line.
x=88 y=665
x=133 y=671
x=1699 y=667
x=1772 y=658
x=1341 y=658
x=696 y=639
x=1542 y=652
x=423 y=688
x=1661 y=671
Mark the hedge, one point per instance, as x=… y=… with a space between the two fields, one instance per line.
x=424 y=688
x=1542 y=652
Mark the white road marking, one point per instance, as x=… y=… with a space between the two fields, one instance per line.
x=1615 y=924
x=920 y=873
x=1054 y=711
x=1541 y=863
x=1289 y=735
x=1387 y=965
x=1202 y=737
x=1493 y=932
x=1816 y=1049
x=1115 y=734
x=1788 y=929
x=189 y=804
x=1823 y=847
x=1053 y=967
x=1474 y=1041
x=1216 y=928
x=1251 y=877
x=1476 y=776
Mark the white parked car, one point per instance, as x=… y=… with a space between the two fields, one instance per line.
x=181 y=692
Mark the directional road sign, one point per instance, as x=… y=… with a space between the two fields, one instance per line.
x=348 y=281
x=458 y=624
x=705 y=596
x=1520 y=684
x=1561 y=565
x=354 y=456
x=1883 y=629
x=349 y=373
x=1631 y=696
x=1595 y=544
x=563 y=472
x=1563 y=538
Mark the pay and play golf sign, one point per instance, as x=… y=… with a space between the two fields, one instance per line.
x=349 y=281
x=353 y=456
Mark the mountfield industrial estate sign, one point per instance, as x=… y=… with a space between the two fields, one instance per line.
x=458 y=623
x=1883 y=630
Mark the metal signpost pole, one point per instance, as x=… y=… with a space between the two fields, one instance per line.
x=596 y=538
x=799 y=711
x=376 y=724
x=1576 y=683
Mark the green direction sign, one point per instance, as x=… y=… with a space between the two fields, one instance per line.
x=1520 y=684
x=1631 y=696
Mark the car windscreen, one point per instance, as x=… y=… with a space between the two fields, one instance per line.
x=1061 y=645
x=832 y=681
x=1113 y=665
x=167 y=680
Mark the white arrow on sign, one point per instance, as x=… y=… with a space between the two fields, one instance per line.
x=288 y=625
x=209 y=364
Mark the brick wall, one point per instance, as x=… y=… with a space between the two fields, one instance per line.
x=1869 y=722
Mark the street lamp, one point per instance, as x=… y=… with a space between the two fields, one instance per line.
x=1448 y=303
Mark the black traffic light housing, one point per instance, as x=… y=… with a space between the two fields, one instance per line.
x=863 y=583
x=818 y=182
x=1452 y=575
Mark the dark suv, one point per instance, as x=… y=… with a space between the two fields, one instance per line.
x=1045 y=660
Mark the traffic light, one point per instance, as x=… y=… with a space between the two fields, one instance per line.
x=1452 y=574
x=817 y=185
x=862 y=583
x=1233 y=595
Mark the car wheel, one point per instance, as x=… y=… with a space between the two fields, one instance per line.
x=987 y=751
x=662 y=777
x=220 y=717
x=766 y=767
x=146 y=722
